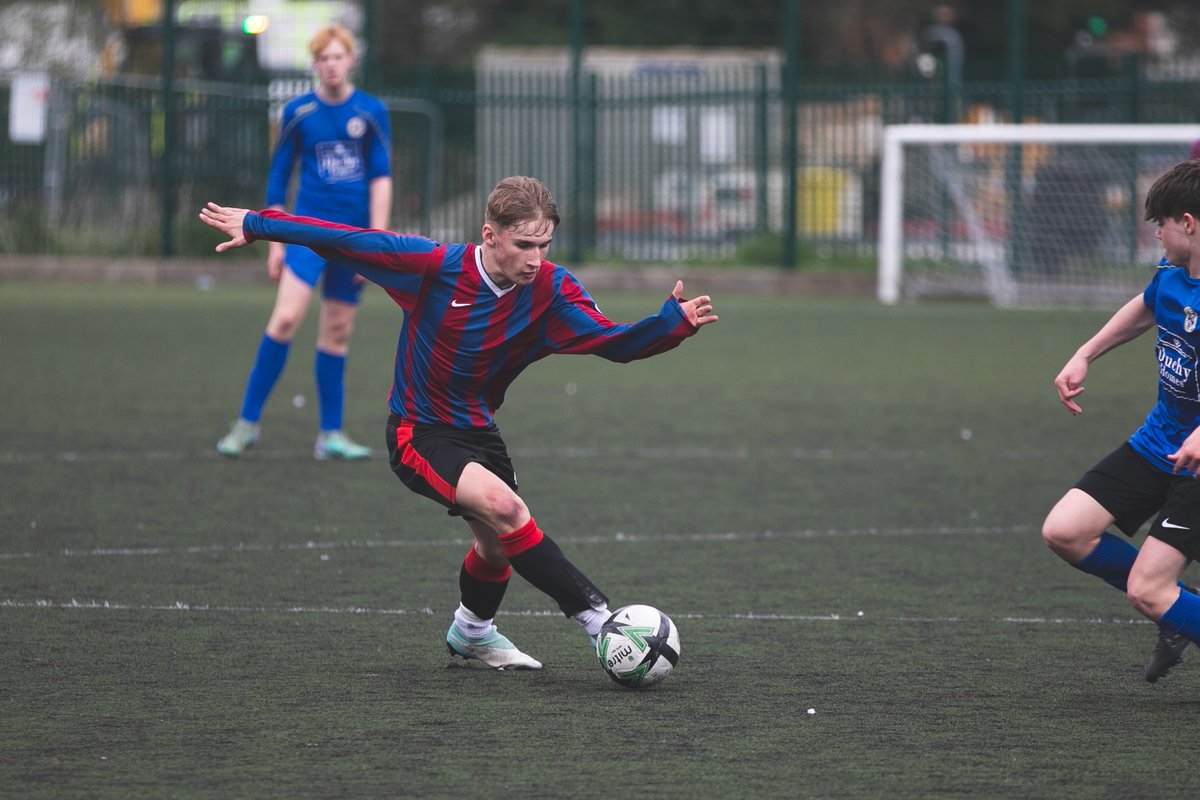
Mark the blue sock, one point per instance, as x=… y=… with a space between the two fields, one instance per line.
x=268 y=366
x=1110 y=561
x=1184 y=616
x=330 y=371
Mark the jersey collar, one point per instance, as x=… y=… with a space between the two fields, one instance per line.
x=487 y=279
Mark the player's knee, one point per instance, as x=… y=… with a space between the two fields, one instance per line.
x=1148 y=598
x=1058 y=534
x=283 y=325
x=1140 y=599
x=1066 y=538
x=335 y=335
x=508 y=510
x=337 y=323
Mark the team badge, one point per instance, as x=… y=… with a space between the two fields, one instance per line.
x=1189 y=319
x=355 y=127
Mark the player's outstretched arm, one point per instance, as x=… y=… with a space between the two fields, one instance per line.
x=698 y=309
x=228 y=221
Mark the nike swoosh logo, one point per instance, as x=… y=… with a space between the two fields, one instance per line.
x=457 y=304
x=1166 y=523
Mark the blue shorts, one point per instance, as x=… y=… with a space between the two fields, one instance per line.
x=339 y=284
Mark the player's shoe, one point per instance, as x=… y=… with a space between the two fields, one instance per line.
x=1168 y=652
x=337 y=445
x=242 y=436
x=493 y=649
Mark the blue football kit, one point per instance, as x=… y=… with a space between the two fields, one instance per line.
x=1174 y=297
x=1133 y=490
x=341 y=149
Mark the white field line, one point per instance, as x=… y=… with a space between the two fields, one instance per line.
x=109 y=605
x=643 y=453
x=462 y=542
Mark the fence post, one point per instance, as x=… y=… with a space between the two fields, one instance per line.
x=166 y=173
x=761 y=156
x=791 y=79
x=369 y=64
x=576 y=131
x=1012 y=161
x=1016 y=58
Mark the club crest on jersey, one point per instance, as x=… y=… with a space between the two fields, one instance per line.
x=1189 y=319
x=355 y=127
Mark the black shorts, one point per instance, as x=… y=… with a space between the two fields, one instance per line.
x=1133 y=490
x=429 y=459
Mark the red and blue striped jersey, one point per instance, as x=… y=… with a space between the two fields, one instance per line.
x=463 y=340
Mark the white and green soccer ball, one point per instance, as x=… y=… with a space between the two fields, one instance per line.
x=638 y=646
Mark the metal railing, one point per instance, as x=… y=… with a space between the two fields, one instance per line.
x=648 y=165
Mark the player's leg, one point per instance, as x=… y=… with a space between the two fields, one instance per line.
x=534 y=555
x=1155 y=591
x=1076 y=529
x=1155 y=588
x=1121 y=490
x=482 y=581
x=428 y=461
x=341 y=293
x=291 y=303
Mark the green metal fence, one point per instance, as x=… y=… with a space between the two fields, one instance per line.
x=651 y=159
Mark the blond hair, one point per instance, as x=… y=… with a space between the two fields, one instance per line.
x=519 y=199
x=331 y=33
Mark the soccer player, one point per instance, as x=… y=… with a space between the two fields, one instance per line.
x=342 y=139
x=475 y=317
x=1155 y=471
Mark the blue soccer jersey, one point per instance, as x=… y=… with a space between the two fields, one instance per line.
x=341 y=149
x=463 y=339
x=1174 y=297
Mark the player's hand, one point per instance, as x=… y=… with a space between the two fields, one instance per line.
x=228 y=221
x=1187 y=457
x=1069 y=384
x=276 y=260
x=698 y=310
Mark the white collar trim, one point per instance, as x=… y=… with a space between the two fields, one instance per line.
x=496 y=290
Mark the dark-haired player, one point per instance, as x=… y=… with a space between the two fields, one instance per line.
x=1154 y=473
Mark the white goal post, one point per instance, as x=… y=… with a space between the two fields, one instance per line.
x=1029 y=216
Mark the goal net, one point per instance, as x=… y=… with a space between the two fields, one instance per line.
x=1028 y=216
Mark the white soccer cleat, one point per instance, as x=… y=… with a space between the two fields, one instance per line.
x=336 y=445
x=242 y=436
x=493 y=649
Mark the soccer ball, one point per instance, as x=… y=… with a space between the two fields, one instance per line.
x=638 y=646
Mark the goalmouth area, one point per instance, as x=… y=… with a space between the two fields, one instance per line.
x=1028 y=216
